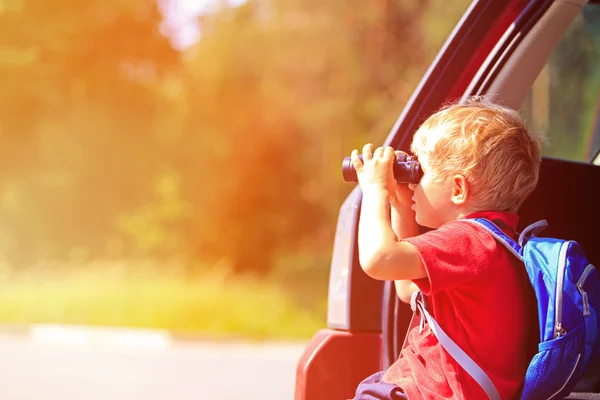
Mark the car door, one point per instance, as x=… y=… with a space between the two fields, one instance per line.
x=498 y=49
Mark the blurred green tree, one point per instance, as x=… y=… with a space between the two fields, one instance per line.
x=280 y=92
x=79 y=105
x=113 y=143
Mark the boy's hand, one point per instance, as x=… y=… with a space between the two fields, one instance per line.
x=402 y=197
x=376 y=169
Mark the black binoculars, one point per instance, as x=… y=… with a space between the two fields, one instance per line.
x=406 y=169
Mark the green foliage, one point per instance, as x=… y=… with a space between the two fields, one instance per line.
x=78 y=81
x=146 y=296
x=574 y=84
x=148 y=226
x=114 y=144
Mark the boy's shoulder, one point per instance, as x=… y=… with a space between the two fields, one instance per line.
x=463 y=246
x=504 y=220
x=458 y=229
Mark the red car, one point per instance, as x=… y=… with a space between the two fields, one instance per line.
x=541 y=57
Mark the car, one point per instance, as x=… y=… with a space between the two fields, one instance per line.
x=536 y=56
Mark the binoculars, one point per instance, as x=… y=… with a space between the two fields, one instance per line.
x=406 y=169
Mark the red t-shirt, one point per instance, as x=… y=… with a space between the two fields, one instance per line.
x=480 y=295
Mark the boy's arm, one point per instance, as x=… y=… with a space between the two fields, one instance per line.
x=381 y=254
x=405 y=226
x=405 y=289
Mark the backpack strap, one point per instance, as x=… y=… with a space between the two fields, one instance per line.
x=532 y=230
x=417 y=304
x=502 y=237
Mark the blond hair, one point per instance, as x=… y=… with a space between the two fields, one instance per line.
x=489 y=145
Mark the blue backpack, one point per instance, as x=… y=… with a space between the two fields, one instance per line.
x=568 y=297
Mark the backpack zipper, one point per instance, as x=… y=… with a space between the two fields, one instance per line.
x=584 y=297
x=560 y=330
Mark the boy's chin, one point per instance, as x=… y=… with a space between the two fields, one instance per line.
x=418 y=218
x=424 y=223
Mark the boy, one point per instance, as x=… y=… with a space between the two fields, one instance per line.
x=478 y=160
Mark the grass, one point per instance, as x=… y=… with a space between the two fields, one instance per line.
x=207 y=305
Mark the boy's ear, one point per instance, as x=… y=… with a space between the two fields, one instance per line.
x=460 y=189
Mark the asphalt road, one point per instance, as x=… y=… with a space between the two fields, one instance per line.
x=48 y=370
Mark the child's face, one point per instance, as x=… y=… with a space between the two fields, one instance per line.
x=433 y=205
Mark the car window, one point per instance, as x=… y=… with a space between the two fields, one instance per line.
x=564 y=102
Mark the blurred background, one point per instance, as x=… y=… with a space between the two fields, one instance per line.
x=175 y=164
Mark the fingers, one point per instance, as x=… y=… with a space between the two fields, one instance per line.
x=381 y=153
x=384 y=154
x=375 y=168
x=378 y=153
x=356 y=162
x=388 y=153
x=367 y=152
